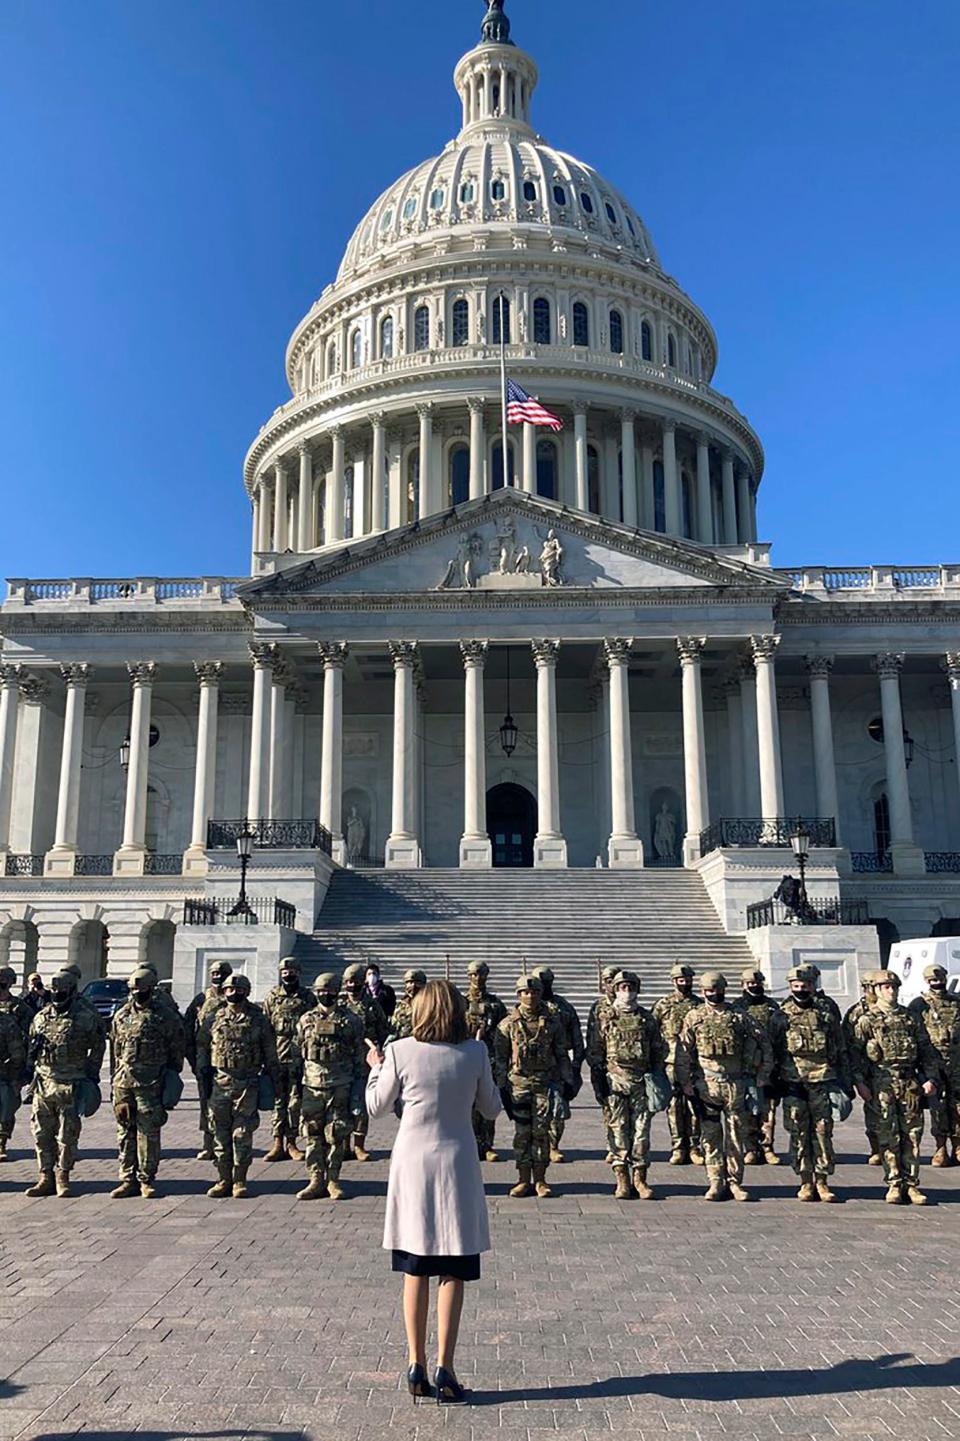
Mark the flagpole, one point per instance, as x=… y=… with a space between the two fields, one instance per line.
x=503 y=394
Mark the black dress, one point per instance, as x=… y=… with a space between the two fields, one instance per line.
x=459 y=1268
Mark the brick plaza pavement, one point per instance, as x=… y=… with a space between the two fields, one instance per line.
x=595 y=1318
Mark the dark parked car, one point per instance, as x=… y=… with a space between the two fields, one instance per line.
x=107 y=995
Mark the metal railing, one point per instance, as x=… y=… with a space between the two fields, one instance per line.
x=261 y=910
x=815 y=911
x=939 y=862
x=661 y=863
x=775 y=831
x=23 y=865
x=871 y=862
x=154 y=865
x=366 y=862
x=271 y=835
x=93 y=866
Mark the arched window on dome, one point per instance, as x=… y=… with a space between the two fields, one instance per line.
x=559 y=195
x=497 y=466
x=671 y=352
x=501 y=306
x=686 y=504
x=659 y=497
x=331 y=358
x=688 y=360
x=542 y=323
x=468 y=193
x=413 y=487
x=498 y=190
x=460 y=323
x=611 y=213
x=616 y=332
x=356 y=350
x=646 y=341
x=547 y=469
x=459 y=483
x=593 y=480
x=586 y=202
x=581 y=324
x=529 y=190
x=437 y=197
x=349 y=476
x=421 y=328
x=386 y=338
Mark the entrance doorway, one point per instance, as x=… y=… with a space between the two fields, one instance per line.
x=511 y=824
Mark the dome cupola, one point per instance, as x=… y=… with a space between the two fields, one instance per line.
x=496 y=80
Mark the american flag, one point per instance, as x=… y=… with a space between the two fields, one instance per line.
x=523 y=409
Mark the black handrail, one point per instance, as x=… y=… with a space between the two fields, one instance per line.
x=270 y=835
x=815 y=911
x=774 y=831
x=260 y=910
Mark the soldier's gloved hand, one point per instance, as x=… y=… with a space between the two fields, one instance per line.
x=506 y=1099
x=864 y=1092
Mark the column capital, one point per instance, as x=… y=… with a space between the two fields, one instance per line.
x=34 y=689
x=335 y=432
x=280 y=468
x=76 y=674
x=142 y=672
x=377 y=419
x=764 y=648
x=474 y=652
x=951 y=664
x=888 y=664
x=690 y=648
x=208 y=672
x=264 y=655
x=403 y=653
x=819 y=666
x=304 y=451
x=668 y=426
x=426 y=409
x=617 y=651
x=704 y=439
x=475 y=405
x=333 y=654
x=545 y=652
x=580 y=407
x=628 y=414
x=264 y=481
x=10 y=675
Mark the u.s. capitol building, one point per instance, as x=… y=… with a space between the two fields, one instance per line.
x=595 y=663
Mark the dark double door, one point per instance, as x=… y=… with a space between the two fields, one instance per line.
x=511 y=825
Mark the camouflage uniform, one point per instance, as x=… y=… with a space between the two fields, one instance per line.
x=485 y=1011
x=199 y=1011
x=868 y=998
x=721 y=1054
x=331 y=1042
x=67 y=1047
x=811 y=1058
x=21 y=1012
x=573 y=1035
x=600 y=1007
x=401 y=1018
x=627 y=1045
x=13 y=1057
x=375 y=1028
x=529 y=1061
x=761 y=1130
x=284 y=1010
x=146 y=1040
x=940 y=1014
x=235 y=1045
x=670 y=1013
x=894 y=1058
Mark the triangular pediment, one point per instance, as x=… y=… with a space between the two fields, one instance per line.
x=512 y=542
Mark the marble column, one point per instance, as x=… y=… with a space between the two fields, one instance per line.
x=697 y=800
x=60 y=859
x=744 y=509
x=673 y=508
x=476 y=852
x=265 y=541
x=425 y=505
x=821 y=721
x=768 y=726
x=729 y=501
x=750 y=744
x=624 y=848
x=529 y=458
x=335 y=487
x=403 y=846
x=209 y=674
x=648 y=517
x=378 y=470
x=129 y=860
x=10 y=677
x=278 y=742
x=951 y=664
x=255 y=539
x=628 y=467
x=906 y=856
x=581 y=458
x=704 y=498
x=334 y=657
x=549 y=847
x=264 y=657
x=281 y=538
x=306 y=539
x=736 y=803
x=478 y=450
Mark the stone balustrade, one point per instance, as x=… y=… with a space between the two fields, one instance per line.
x=856 y=581
x=205 y=591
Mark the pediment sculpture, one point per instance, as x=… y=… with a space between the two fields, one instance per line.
x=505 y=561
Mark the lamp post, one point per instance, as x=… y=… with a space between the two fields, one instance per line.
x=245 y=839
x=508 y=730
x=125 y=752
x=800 y=841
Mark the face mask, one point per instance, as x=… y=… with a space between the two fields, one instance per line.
x=684 y=988
x=62 y=999
x=939 y=985
x=326 y=999
x=625 y=1000
x=754 y=992
x=290 y=984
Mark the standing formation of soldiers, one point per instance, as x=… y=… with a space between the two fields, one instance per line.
x=718 y=1068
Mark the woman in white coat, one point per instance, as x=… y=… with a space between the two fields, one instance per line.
x=436 y=1221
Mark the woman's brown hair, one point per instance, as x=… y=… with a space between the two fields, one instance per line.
x=439 y=1013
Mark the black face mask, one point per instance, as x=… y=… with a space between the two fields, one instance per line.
x=940 y=986
x=291 y=984
x=62 y=999
x=756 y=993
x=326 y=998
x=683 y=988
x=802 y=998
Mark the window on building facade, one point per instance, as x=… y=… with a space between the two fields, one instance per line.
x=387 y=221
x=421 y=328
x=529 y=190
x=686 y=503
x=659 y=497
x=671 y=352
x=437 y=198
x=332 y=358
x=646 y=341
x=542 y=325
x=460 y=323
x=498 y=464
x=468 y=193
x=459 y=475
x=547 y=469
x=616 y=332
x=611 y=213
x=581 y=324
x=386 y=338
x=410 y=208
x=593 y=480
x=586 y=202
x=501 y=306
x=413 y=487
x=356 y=350
x=498 y=190
x=349 y=476
x=559 y=195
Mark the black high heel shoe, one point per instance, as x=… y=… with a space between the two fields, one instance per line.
x=417 y=1383
x=449 y=1390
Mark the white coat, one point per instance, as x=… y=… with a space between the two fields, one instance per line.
x=435 y=1200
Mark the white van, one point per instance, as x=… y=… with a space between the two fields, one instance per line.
x=910 y=959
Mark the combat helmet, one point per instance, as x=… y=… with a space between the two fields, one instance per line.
x=144 y=978
x=327 y=981
x=70 y=968
x=478 y=968
x=237 y=981
x=799 y=973
x=749 y=974
x=681 y=970
x=713 y=981
x=888 y=978
x=8 y=976
x=544 y=972
x=609 y=973
x=931 y=973
x=354 y=972
x=289 y=963
x=417 y=977
x=529 y=983
x=629 y=978
x=63 y=981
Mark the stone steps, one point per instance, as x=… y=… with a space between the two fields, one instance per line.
x=571 y=920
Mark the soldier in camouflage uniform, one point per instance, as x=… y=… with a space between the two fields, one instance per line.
x=284 y=1007
x=330 y=1038
x=670 y=1012
x=529 y=1062
x=401 y=1022
x=20 y=1011
x=147 y=1042
x=599 y=1008
x=13 y=1059
x=200 y=1009
x=812 y=1065
x=627 y=1046
x=940 y=1013
x=358 y=999
x=485 y=1011
x=895 y=1065
x=575 y=1049
x=66 y=1048
x=765 y=1013
x=161 y=995
x=868 y=998
x=723 y=1063
x=820 y=996
x=235 y=1046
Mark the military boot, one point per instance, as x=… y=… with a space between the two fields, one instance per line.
x=335 y=1191
x=737 y=1191
x=205 y=1153
x=63 y=1184
x=294 y=1151
x=874 y=1159
x=716 y=1191
x=490 y=1156
x=679 y=1157
x=357 y=1147
x=523 y=1186
x=315 y=1189
x=696 y=1156
x=277 y=1151
x=807 y=1191
x=223 y=1187
x=557 y=1158
x=753 y=1158
x=622 y=1191
x=125 y=1190
x=770 y=1157
x=940 y=1157
x=240 y=1192
x=915 y=1196
x=43 y=1186
x=824 y=1191
x=894 y=1196
x=644 y=1192
x=540 y=1183
x=148 y=1190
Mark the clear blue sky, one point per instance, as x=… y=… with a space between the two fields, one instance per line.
x=178 y=182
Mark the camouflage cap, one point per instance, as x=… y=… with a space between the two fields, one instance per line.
x=544 y=972
x=478 y=968
x=627 y=978
x=679 y=970
x=713 y=980
x=930 y=973
x=143 y=978
x=238 y=982
x=749 y=977
x=529 y=983
x=419 y=977
x=290 y=963
x=799 y=973
x=327 y=981
x=63 y=981
x=356 y=972
x=7 y=975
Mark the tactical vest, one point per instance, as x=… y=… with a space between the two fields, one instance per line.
x=67 y=1036
x=807 y=1033
x=235 y=1043
x=531 y=1054
x=671 y=1012
x=283 y=1011
x=719 y=1041
x=893 y=1039
x=328 y=1046
x=942 y=1021
x=140 y=1043
x=627 y=1037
